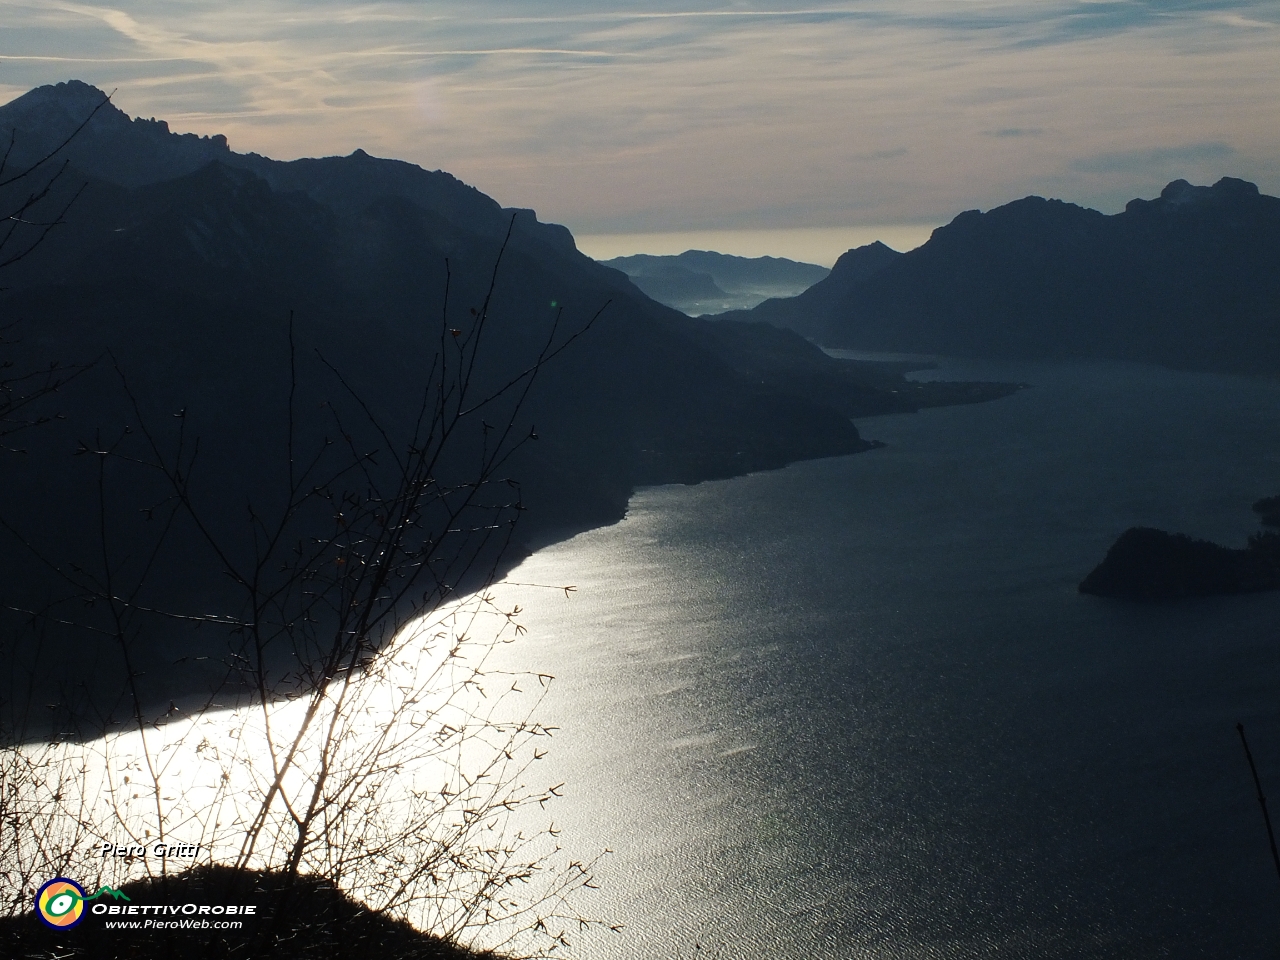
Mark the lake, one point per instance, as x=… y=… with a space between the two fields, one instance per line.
x=857 y=708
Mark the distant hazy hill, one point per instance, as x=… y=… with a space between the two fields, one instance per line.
x=704 y=282
x=185 y=260
x=1191 y=279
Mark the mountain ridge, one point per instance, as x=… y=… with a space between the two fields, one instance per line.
x=1190 y=279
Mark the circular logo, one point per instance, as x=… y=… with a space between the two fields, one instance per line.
x=60 y=903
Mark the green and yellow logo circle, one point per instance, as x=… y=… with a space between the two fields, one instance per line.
x=60 y=903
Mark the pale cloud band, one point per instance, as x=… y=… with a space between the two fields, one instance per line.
x=661 y=116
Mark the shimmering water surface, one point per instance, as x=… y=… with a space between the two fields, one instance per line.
x=856 y=707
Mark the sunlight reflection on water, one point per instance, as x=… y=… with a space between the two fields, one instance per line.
x=422 y=756
x=856 y=707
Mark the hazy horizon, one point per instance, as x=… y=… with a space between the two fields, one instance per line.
x=820 y=245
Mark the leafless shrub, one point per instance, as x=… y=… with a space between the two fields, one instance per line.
x=370 y=743
x=36 y=786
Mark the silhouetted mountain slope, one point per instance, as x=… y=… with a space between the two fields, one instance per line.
x=808 y=313
x=181 y=264
x=1191 y=279
x=702 y=281
x=130 y=152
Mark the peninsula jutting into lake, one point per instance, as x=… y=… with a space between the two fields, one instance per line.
x=1147 y=564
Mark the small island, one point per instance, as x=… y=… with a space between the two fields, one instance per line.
x=1148 y=564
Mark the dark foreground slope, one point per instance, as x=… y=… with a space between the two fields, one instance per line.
x=176 y=275
x=1190 y=279
x=311 y=921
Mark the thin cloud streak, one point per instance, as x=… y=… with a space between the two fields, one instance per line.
x=663 y=117
x=1158 y=157
x=5 y=56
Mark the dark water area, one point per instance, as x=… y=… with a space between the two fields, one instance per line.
x=857 y=708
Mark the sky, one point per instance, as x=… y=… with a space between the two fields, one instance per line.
x=705 y=119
